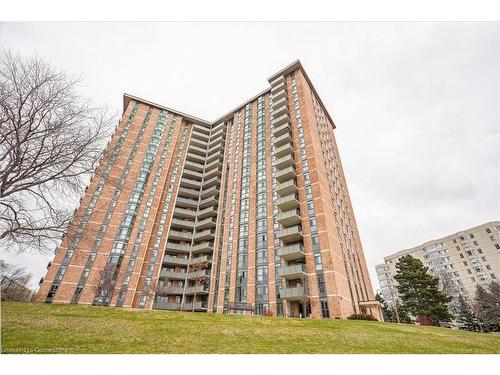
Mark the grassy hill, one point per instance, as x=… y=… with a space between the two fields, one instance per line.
x=42 y=328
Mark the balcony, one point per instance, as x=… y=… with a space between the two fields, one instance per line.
x=216 y=141
x=199 y=289
x=207 y=234
x=201 y=259
x=182 y=212
x=211 y=182
x=278 y=87
x=198 y=306
x=184 y=202
x=188 y=173
x=198 y=143
x=218 y=133
x=288 y=202
x=296 y=271
x=283 y=129
x=284 y=162
x=195 y=158
x=279 y=94
x=278 y=103
x=217 y=127
x=190 y=193
x=204 y=247
x=289 y=218
x=202 y=129
x=293 y=294
x=171 y=259
x=216 y=156
x=213 y=172
x=286 y=188
x=207 y=212
x=191 y=184
x=170 y=290
x=210 y=201
x=286 y=174
x=212 y=191
x=193 y=166
x=179 y=236
x=195 y=134
x=177 y=247
x=184 y=224
x=198 y=274
x=213 y=164
x=206 y=223
x=197 y=150
x=167 y=306
x=278 y=121
x=290 y=234
x=281 y=151
x=172 y=274
x=278 y=80
x=218 y=148
x=282 y=110
x=283 y=140
x=292 y=252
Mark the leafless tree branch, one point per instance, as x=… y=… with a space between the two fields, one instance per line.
x=51 y=143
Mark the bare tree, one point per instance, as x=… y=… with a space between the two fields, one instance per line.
x=201 y=278
x=14 y=283
x=305 y=300
x=51 y=141
x=105 y=287
x=449 y=288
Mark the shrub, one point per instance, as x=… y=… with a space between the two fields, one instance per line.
x=362 y=317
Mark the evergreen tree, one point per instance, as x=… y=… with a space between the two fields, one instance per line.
x=487 y=306
x=420 y=292
x=386 y=309
x=465 y=315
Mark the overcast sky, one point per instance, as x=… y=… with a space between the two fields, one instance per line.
x=416 y=105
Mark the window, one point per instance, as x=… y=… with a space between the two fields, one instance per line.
x=488 y=230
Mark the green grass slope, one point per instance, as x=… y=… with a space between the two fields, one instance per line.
x=44 y=328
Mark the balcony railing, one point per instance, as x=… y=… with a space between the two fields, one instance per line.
x=172 y=274
x=180 y=236
x=198 y=274
x=198 y=306
x=288 y=202
x=169 y=290
x=204 y=247
x=278 y=121
x=286 y=188
x=283 y=140
x=170 y=259
x=207 y=234
x=288 y=218
x=176 y=223
x=286 y=149
x=197 y=289
x=292 y=294
x=292 y=252
x=291 y=234
x=178 y=247
x=182 y=212
x=167 y=306
x=295 y=271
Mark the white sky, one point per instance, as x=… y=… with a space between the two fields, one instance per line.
x=416 y=104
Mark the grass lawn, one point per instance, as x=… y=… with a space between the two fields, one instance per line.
x=44 y=328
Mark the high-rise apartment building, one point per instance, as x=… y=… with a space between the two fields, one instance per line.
x=462 y=260
x=247 y=214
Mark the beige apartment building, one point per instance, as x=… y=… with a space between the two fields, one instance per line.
x=247 y=214
x=462 y=260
